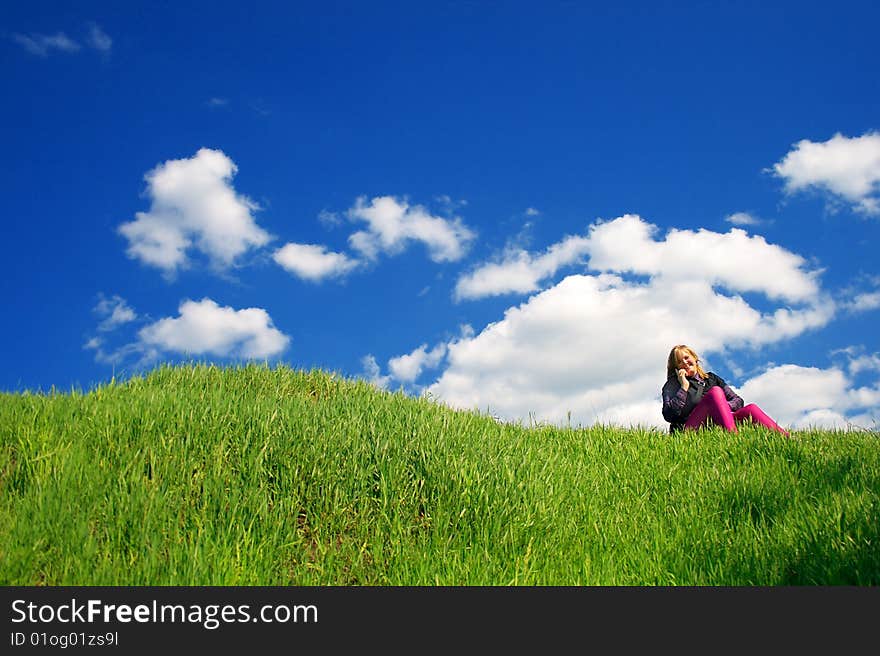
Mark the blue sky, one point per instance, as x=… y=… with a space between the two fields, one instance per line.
x=513 y=207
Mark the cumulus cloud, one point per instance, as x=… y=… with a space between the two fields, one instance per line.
x=864 y=363
x=42 y=44
x=372 y=372
x=313 y=262
x=392 y=224
x=406 y=368
x=193 y=207
x=519 y=271
x=863 y=295
x=742 y=218
x=848 y=168
x=857 y=360
x=114 y=312
x=864 y=302
x=593 y=347
x=205 y=328
x=734 y=260
x=135 y=354
x=805 y=397
x=201 y=328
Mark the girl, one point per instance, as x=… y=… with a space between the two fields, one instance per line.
x=693 y=398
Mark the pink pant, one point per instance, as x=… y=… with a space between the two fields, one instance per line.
x=713 y=408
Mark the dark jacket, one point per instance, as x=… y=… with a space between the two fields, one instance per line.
x=678 y=404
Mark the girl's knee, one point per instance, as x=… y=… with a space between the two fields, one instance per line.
x=752 y=410
x=717 y=393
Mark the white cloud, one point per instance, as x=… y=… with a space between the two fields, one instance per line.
x=861 y=363
x=733 y=260
x=393 y=224
x=114 y=312
x=806 y=397
x=372 y=372
x=99 y=39
x=589 y=346
x=595 y=346
x=193 y=206
x=449 y=203
x=313 y=262
x=857 y=361
x=329 y=219
x=846 y=167
x=864 y=302
x=743 y=218
x=42 y=44
x=145 y=356
x=862 y=295
x=203 y=327
x=519 y=271
x=406 y=368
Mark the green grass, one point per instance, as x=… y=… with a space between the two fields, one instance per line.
x=199 y=475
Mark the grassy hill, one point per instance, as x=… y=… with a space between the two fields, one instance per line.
x=198 y=475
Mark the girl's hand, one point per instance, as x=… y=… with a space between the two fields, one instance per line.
x=682 y=379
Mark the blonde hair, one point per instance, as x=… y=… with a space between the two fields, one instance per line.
x=674 y=360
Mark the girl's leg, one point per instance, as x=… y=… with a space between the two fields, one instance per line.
x=751 y=412
x=713 y=407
